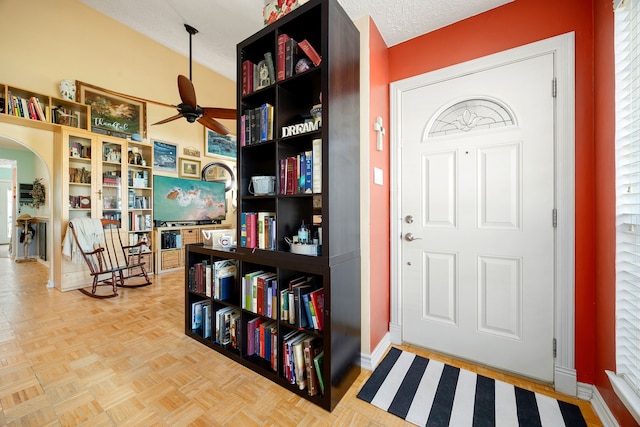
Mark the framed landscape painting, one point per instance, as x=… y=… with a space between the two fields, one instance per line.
x=165 y=156
x=217 y=145
x=111 y=114
x=189 y=168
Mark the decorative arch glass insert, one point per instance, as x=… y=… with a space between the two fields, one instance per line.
x=470 y=115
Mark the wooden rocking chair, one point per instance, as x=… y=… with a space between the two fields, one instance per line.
x=112 y=263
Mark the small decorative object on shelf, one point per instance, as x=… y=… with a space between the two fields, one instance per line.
x=37 y=193
x=68 y=90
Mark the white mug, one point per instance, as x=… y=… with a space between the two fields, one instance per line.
x=224 y=241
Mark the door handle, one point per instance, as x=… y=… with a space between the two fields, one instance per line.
x=409 y=237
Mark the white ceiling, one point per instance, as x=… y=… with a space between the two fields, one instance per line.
x=223 y=24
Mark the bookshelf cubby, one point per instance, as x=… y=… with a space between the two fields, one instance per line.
x=330 y=209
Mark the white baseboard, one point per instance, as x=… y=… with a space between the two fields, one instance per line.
x=369 y=362
x=566 y=380
x=591 y=393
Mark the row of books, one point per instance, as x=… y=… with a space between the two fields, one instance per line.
x=139 y=221
x=138 y=178
x=227 y=326
x=171 y=240
x=258 y=230
x=289 y=52
x=215 y=279
x=302 y=304
x=258 y=76
x=260 y=293
x=76 y=149
x=138 y=202
x=303 y=359
x=227 y=319
x=262 y=340
x=256 y=125
x=302 y=174
x=135 y=238
x=30 y=108
x=111 y=178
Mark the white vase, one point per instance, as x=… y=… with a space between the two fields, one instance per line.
x=68 y=89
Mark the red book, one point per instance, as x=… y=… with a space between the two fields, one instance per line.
x=292 y=182
x=252 y=230
x=247 y=77
x=317 y=300
x=310 y=52
x=282 y=42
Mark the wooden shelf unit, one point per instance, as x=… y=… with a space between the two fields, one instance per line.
x=333 y=212
x=93 y=179
x=171 y=242
x=74 y=114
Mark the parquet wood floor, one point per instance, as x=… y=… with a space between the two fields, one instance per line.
x=70 y=360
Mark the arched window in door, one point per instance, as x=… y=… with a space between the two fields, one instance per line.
x=470 y=115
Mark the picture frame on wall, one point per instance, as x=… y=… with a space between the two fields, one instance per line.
x=217 y=145
x=189 y=168
x=113 y=114
x=165 y=156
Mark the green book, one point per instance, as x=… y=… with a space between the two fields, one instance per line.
x=318 y=361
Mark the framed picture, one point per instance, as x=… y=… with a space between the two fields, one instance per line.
x=217 y=145
x=189 y=168
x=111 y=114
x=165 y=156
x=191 y=151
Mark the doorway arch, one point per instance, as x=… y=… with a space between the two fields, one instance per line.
x=40 y=170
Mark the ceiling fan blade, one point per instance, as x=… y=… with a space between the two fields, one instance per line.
x=136 y=98
x=213 y=124
x=187 y=92
x=170 y=119
x=219 y=113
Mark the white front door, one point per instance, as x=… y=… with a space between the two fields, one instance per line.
x=478 y=199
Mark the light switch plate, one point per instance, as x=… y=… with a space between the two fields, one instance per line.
x=378 y=176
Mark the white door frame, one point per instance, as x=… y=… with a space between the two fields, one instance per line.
x=565 y=377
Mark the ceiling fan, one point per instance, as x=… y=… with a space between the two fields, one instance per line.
x=188 y=107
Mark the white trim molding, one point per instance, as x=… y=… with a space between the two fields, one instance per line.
x=626 y=394
x=563 y=48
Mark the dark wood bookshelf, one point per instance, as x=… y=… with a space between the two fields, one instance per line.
x=337 y=268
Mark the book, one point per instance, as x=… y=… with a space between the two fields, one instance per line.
x=223 y=323
x=196 y=316
x=299 y=306
x=227 y=285
x=248 y=300
x=247 y=77
x=206 y=319
x=268 y=57
x=251 y=331
x=307 y=310
x=263 y=227
x=281 y=55
x=235 y=329
x=308 y=172
x=311 y=53
x=299 y=366
x=260 y=292
x=316 y=154
x=252 y=230
x=311 y=349
x=290 y=57
x=317 y=301
x=318 y=362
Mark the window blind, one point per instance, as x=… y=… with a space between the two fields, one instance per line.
x=627 y=68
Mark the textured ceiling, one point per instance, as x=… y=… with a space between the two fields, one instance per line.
x=223 y=24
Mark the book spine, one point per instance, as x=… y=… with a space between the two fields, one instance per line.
x=281 y=55
x=311 y=53
x=316 y=154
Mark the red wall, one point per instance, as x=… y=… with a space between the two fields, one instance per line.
x=604 y=168
x=522 y=22
x=380 y=196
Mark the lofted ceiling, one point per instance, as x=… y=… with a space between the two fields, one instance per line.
x=223 y=24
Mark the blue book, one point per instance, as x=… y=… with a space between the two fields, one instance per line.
x=308 y=172
x=226 y=287
x=305 y=299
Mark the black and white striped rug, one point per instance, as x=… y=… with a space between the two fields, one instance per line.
x=430 y=393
